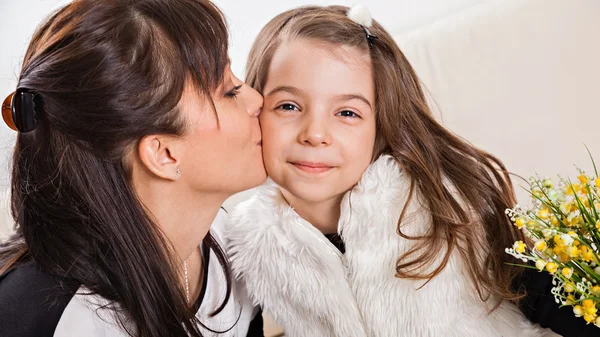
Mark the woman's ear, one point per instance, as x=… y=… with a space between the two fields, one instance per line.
x=159 y=155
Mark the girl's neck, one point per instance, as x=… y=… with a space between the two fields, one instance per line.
x=323 y=215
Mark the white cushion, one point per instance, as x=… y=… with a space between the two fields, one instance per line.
x=520 y=78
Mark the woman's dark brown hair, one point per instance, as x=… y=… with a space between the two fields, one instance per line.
x=106 y=74
x=466 y=189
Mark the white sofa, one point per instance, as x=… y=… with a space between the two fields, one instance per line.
x=520 y=78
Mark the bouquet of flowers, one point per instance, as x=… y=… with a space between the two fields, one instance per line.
x=563 y=225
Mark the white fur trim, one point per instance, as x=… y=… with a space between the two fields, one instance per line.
x=291 y=270
x=361 y=15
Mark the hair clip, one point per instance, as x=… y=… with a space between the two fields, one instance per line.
x=19 y=110
x=361 y=15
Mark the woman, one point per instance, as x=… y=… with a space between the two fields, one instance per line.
x=132 y=132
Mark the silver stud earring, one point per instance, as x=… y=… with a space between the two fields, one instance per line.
x=178 y=174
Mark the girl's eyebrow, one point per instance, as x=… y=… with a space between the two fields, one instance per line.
x=347 y=97
x=285 y=88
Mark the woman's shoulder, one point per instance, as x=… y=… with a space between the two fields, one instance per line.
x=36 y=303
x=32 y=302
x=217 y=228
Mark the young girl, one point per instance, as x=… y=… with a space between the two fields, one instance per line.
x=378 y=221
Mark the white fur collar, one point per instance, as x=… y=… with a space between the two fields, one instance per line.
x=299 y=278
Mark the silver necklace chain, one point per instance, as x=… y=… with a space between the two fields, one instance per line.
x=187 y=282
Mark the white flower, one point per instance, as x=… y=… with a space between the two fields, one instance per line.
x=540 y=264
x=567 y=239
x=573 y=215
x=361 y=15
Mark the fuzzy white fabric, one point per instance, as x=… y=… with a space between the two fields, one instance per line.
x=361 y=15
x=299 y=278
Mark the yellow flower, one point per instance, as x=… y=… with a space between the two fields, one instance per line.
x=589 y=318
x=544 y=214
x=578 y=310
x=540 y=264
x=590 y=310
x=587 y=256
x=567 y=272
x=596 y=290
x=570 y=300
x=541 y=245
x=585 y=201
x=558 y=240
x=588 y=303
x=558 y=250
x=598 y=182
x=548 y=183
x=554 y=221
x=598 y=225
x=519 y=247
x=551 y=267
x=572 y=189
x=520 y=223
x=573 y=252
x=564 y=258
x=569 y=288
x=583 y=178
x=574 y=219
x=538 y=193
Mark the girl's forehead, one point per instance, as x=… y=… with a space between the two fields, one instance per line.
x=314 y=67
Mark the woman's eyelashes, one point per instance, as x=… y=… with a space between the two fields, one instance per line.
x=233 y=92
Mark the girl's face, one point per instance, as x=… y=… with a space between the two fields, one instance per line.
x=318 y=120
